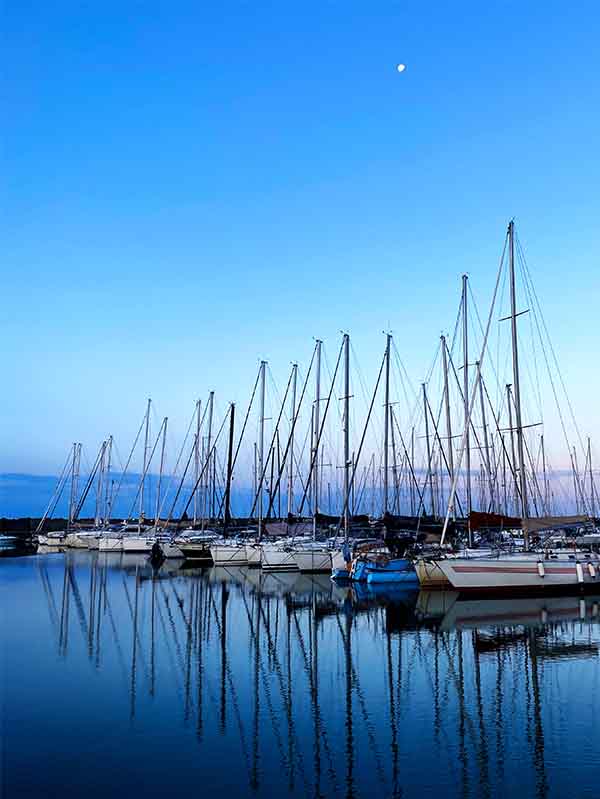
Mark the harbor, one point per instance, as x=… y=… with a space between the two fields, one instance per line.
x=476 y=502
x=300 y=442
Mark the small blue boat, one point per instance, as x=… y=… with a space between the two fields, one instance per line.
x=383 y=570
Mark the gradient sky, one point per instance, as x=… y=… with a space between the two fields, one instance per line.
x=191 y=187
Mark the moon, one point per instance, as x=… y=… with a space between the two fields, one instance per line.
x=401 y=67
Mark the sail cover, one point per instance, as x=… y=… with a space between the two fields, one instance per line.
x=551 y=522
x=492 y=521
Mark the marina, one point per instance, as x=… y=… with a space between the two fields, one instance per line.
x=300 y=442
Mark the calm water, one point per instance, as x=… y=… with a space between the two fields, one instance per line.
x=228 y=682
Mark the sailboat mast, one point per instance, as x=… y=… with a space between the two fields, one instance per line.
x=592 y=500
x=465 y=319
x=196 y=460
x=100 y=485
x=261 y=444
x=207 y=492
x=73 y=489
x=147 y=430
x=227 y=503
x=509 y=400
x=107 y=481
x=486 y=445
x=290 y=497
x=450 y=448
x=515 y=351
x=316 y=431
x=386 y=425
x=346 y=433
x=428 y=444
x=160 y=472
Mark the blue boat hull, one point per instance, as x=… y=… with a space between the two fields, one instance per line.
x=363 y=570
x=408 y=576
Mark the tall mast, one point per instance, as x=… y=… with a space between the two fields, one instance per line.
x=316 y=430
x=386 y=426
x=147 y=423
x=346 y=433
x=160 y=473
x=412 y=471
x=515 y=351
x=196 y=460
x=207 y=493
x=486 y=446
x=448 y=416
x=73 y=488
x=575 y=480
x=290 y=497
x=592 y=500
x=465 y=319
x=509 y=401
x=261 y=445
x=429 y=464
x=107 y=481
x=100 y=486
x=227 y=511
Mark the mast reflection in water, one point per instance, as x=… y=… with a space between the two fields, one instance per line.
x=120 y=680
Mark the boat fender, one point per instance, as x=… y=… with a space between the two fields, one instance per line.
x=582 y=609
x=544 y=616
x=592 y=570
x=579 y=570
x=541 y=569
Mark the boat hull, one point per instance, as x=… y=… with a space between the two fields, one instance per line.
x=313 y=561
x=430 y=575
x=521 y=573
x=199 y=552
x=254 y=555
x=110 y=543
x=278 y=559
x=229 y=554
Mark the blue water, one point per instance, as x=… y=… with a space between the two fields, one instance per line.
x=120 y=682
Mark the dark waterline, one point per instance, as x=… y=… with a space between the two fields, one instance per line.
x=118 y=681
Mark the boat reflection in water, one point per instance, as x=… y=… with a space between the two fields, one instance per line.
x=228 y=679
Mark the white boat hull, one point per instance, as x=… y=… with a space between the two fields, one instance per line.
x=254 y=555
x=517 y=572
x=110 y=543
x=229 y=554
x=313 y=560
x=276 y=558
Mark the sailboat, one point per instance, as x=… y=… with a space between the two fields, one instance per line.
x=544 y=570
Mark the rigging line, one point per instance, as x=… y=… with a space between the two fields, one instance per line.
x=239 y=444
x=292 y=429
x=88 y=484
x=272 y=446
x=473 y=394
x=320 y=433
x=124 y=472
x=531 y=286
x=149 y=461
x=206 y=463
x=552 y=383
x=501 y=440
x=362 y=441
x=437 y=435
x=181 y=451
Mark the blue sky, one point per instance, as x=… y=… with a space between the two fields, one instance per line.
x=191 y=187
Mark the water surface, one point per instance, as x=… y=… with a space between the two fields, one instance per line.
x=118 y=680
